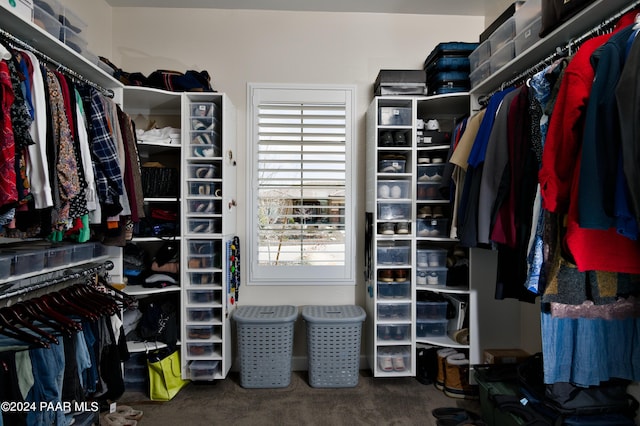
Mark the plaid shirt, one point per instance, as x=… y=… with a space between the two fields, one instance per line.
x=104 y=151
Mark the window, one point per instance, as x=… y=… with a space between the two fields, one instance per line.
x=300 y=193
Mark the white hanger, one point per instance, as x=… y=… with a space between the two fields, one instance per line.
x=5 y=55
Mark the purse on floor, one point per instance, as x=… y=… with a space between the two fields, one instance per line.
x=165 y=380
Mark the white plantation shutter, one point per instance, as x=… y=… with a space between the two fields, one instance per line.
x=302 y=229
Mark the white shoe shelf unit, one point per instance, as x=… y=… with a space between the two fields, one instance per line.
x=409 y=237
x=208 y=225
x=205 y=202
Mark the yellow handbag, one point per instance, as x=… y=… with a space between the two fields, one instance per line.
x=165 y=379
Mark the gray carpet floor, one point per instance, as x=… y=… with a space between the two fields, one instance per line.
x=374 y=401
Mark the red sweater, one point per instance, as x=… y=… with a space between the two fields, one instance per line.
x=592 y=249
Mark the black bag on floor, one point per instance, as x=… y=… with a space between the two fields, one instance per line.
x=567 y=403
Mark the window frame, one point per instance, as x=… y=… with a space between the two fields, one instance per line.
x=303 y=274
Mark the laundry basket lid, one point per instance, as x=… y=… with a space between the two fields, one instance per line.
x=252 y=314
x=333 y=313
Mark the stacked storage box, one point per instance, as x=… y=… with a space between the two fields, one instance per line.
x=447 y=68
x=400 y=82
x=528 y=22
x=60 y=22
x=515 y=35
x=494 y=53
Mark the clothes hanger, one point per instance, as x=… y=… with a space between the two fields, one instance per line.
x=127 y=299
x=11 y=315
x=10 y=330
x=62 y=302
x=27 y=311
x=42 y=306
x=100 y=302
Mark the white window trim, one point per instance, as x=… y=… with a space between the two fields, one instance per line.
x=300 y=275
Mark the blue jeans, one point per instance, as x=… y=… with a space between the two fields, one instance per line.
x=48 y=371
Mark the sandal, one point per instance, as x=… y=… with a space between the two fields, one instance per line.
x=444 y=412
x=113 y=419
x=129 y=412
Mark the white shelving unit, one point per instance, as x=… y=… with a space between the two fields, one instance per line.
x=208 y=223
x=149 y=107
x=395 y=302
x=205 y=203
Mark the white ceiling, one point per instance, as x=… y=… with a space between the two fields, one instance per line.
x=429 y=7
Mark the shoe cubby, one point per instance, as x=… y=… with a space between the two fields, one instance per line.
x=393 y=360
x=208 y=223
x=408 y=141
x=394 y=311
x=394 y=291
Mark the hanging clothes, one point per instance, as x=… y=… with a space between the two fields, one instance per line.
x=37 y=165
x=590 y=249
x=8 y=190
x=459 y=159
x=105 y=155
x=470 y=191
x=627 y=94
x=601 y=141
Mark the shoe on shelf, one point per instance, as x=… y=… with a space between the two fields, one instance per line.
x=386 y=275
x=437 y=212
x=386 y=139
x=437 y=160
x=398 y=362
x=402 y=228
x=386 y=364
x=425 y=212
x=399 y=334
x=399 y=138
x=384 y=191
x=400 y=275
x=432 y=124
x=387 y=228
x=424 y=159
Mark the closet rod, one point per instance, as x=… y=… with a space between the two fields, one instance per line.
x=68 y=275
x=570 y=47
x=16 y=43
